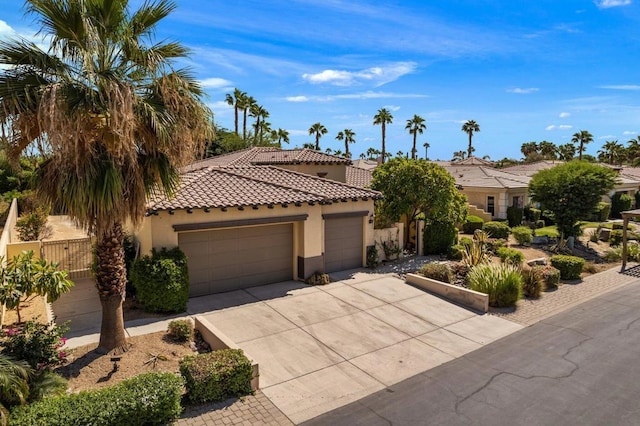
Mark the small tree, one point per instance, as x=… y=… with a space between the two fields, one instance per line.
x=411 y=187
x=571 y=192
x=25 y=276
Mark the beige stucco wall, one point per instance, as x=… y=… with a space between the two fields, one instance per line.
x=503 y=198
x=14 y=249
x=337 y=172
x=157 y=231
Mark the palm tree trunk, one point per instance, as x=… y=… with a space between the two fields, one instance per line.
x=111 y=280
x=384 y=148
x=235 y=110
x=580 y=153
x=244 y=125
x=469 y=149
x=317 y=142
x=413 y=149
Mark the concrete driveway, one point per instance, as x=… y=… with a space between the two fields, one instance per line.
x=320 y=348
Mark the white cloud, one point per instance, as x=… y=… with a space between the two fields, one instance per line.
x=392 y=108
x=298 y=132
x=216 y=83
x=297 y=98
x=362 y=95
x=607 y=137
x=605 y=4
x=629 y=132
x=6 y=30
x=378 y=76
x=564 y=115
x=521 y=91
x=560 y=127
x=621 y=87
x=220 y=107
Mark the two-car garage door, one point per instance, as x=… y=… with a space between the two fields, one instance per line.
x=230 y=259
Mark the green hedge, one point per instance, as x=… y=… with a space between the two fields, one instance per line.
x=147 y=399
x=532 y=214
x=217 y=375
x=514 y=215
x=620 y=203
x=496 y=229
x=510 y=256
x=162 y=281
x=570 y=267
x=602 y=211
x=522 y=234
x=472 y=223
x=549 y=275
x=438 y=237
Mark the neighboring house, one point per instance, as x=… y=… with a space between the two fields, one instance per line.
x=243 y=224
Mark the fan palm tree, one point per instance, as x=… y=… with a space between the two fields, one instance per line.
x=382 y=118
x=581 y=138
x=415 y=125
x=426 y=150
x=260 y=114
x=548 y=150
x=612 y=152
x=235 y=100
x=280 y=135
x=114 y=119
x=459 y=155
x=566 y=151
x=529 y=148
x=470 y=127
x=348 y=136
x=633 y=149
x=14 y=384
x=248 y=102
x=317 y=130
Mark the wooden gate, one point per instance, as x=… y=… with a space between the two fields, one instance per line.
x=74 y=256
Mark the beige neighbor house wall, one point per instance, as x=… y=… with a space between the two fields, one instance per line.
x=503 y=198
x=337 y=172
x=157 y=231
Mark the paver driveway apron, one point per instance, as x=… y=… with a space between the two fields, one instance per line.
x=323 y=347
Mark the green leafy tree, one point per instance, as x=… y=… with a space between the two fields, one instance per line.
x=348 y=136
x=470 y=127
x=116 y=118
x=413 y=187
x=581 y=138
x=415 y=126
x=317 y=130
x=382 y=118
x=571 y=192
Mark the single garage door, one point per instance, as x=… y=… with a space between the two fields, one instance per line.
x=343 y=243
x=230 y=259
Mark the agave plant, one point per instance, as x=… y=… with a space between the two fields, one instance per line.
x=476 y=253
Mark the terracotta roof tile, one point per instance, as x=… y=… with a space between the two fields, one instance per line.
x=214 y=187
x=359 y=177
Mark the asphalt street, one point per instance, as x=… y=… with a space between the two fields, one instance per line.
x=580 y=367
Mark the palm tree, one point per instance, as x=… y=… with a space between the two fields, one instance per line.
x=415 y=125
x=548 y=150
x=265 y=127
x=612 y=152
x=260 y=114
x=633 y=149
x=348 y=136
x=529 y=148
x=566 y=152
x=469 y=128
x=235 y=100
x=383 y=117
x=248 y=102
x=459 y=155
x=116 y=120
x=318 y=130
x=426 y=150
x=280 y=135
x=581 y=138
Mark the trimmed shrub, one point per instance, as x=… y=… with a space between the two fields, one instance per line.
x=216 y=376
x=620 y=203
x=496 y=229
x=602 y=211
x=471 y=224
x=570 y=267
x=180 y=330
x=549 y=275
x=532 y=283
x=162 y=281
x=31 y=226
x=455 y=252
x=523 y=235
x=615 y=237
x=503 y=283
x=510 y=256
x=548 y=217
x=514 y=215
x=535 y=214
x=146 y=399
x=494 y=245
x=438 y=237
x=40 y=345
x=465 y=241
x=437 y=271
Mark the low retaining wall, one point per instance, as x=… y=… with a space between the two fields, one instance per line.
x=218 y=340
x=464 y=296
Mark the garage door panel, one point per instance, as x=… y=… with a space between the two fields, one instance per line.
x=238 y=258
x=343 y=243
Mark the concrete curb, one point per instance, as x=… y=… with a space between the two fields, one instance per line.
x=470 y=298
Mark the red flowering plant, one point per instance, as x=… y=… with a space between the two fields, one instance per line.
x=41 y=345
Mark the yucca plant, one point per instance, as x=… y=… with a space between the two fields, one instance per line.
x=503 y=283
x=476 y=253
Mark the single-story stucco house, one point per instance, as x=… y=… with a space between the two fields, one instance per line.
x=253 y=217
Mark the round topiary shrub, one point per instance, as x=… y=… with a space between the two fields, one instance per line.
x=503 y=283
x=496 y=229
x=549 y=275
x=510 y=256
x=471 y=224
x=162 y=281
x=180 y=330
x=570 y=267
x=522 y=234
x=437 y=271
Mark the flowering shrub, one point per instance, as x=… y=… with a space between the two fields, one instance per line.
x=41 y=345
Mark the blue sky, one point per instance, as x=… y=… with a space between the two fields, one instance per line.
x=527 y=70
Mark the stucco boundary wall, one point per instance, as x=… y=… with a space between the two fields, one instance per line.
x=218 y=340
x=393 y=234
x=5 y=239
x=463 y=296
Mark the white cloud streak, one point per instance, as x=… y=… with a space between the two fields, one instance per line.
x=363 y=95
x=564 y=114
x=560 y=127
x=216 y=83
x=523 y=91
x=377 y=76
x=605 y=4
x=621 y=87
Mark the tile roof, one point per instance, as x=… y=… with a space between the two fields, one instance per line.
x=365 y=164
x=269 y=156
x=359 y=177
x=474 y=161
x=486 y=177
x=529 y=169
x=214 y=187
